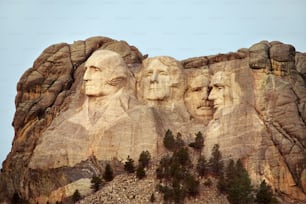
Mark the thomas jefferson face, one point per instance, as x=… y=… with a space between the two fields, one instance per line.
x=196 y=98
x=160 y=76
x=105 y=72
x=221 y=90
x=156 y=81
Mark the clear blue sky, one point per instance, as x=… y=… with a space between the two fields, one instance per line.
x=179 y=28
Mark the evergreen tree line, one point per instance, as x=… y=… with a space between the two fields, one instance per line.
x=97 y=181
x=179 y=177
x=129 y=167
x=178 y=181
x=236 y=184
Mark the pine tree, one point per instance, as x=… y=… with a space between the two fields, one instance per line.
x=159 y=173
x=129 y=165
x=16 y=199
x=95 y=183
x=108 y=174
x=202 y=166
x=179 y=142
x=191 y=185
x=169 y=141
x=177 y=192
x=239 y=187
x=198 y=144
x=177 y=171
x=140 y=172
x=230 y=173
x=163 y=170
x=215 y=162
x=152 y=198
x=167 y=191
x=221 y=185
x=264 y=194
x=144 y=158
x=76 y=195
x=182 y=156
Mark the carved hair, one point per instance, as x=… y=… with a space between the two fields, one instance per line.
x=227 y=79
x=177 y=79
x=195 y=73
x=120 y=74
x=175 y=68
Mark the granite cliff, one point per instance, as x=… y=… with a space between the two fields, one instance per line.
x=251 y=102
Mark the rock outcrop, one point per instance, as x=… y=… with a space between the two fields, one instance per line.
x=251 y=102
x=129 y=189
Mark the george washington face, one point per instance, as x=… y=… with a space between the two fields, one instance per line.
x=105 y=72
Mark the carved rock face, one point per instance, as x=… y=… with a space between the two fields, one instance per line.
x=156 y=81
x=196 y=96
x=221 y=93
x=109 y=103
x=80 y=106
x=162 y=79
x=105 y=73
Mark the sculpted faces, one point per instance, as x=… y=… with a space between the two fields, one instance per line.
x=162 y=79
x=157 y=79
x=111 y=122
x=105 y=73
x=196 y=97
x=221 y=93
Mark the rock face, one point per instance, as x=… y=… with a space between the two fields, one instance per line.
x=100 y=100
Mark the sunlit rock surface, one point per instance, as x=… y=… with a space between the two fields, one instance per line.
x=251 y=102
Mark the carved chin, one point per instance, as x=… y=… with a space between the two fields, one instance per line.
x=156 y=95
x=218 y=104
x=93 y=93
x=204 y=111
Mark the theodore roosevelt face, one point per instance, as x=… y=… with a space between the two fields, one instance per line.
x=196 y=98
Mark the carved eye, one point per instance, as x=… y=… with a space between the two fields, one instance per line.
x=219 y=87
x=196 y=89
x=163 y=73
x=96 y=69
x=149 y=73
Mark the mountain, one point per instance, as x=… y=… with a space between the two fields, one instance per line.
x=100 y=100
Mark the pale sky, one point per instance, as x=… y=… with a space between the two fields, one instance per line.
x=180 y=28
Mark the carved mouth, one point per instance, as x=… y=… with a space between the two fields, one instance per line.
x=154 y=88
x=204 y=107
x=216 y=105
x=89 y=85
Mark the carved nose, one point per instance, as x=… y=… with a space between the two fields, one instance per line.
x=204 y=94
x=153 y=77
x=86 y=76
x=211 y=95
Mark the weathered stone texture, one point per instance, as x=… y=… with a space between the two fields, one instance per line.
x=62 y=138
x=51 y=86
